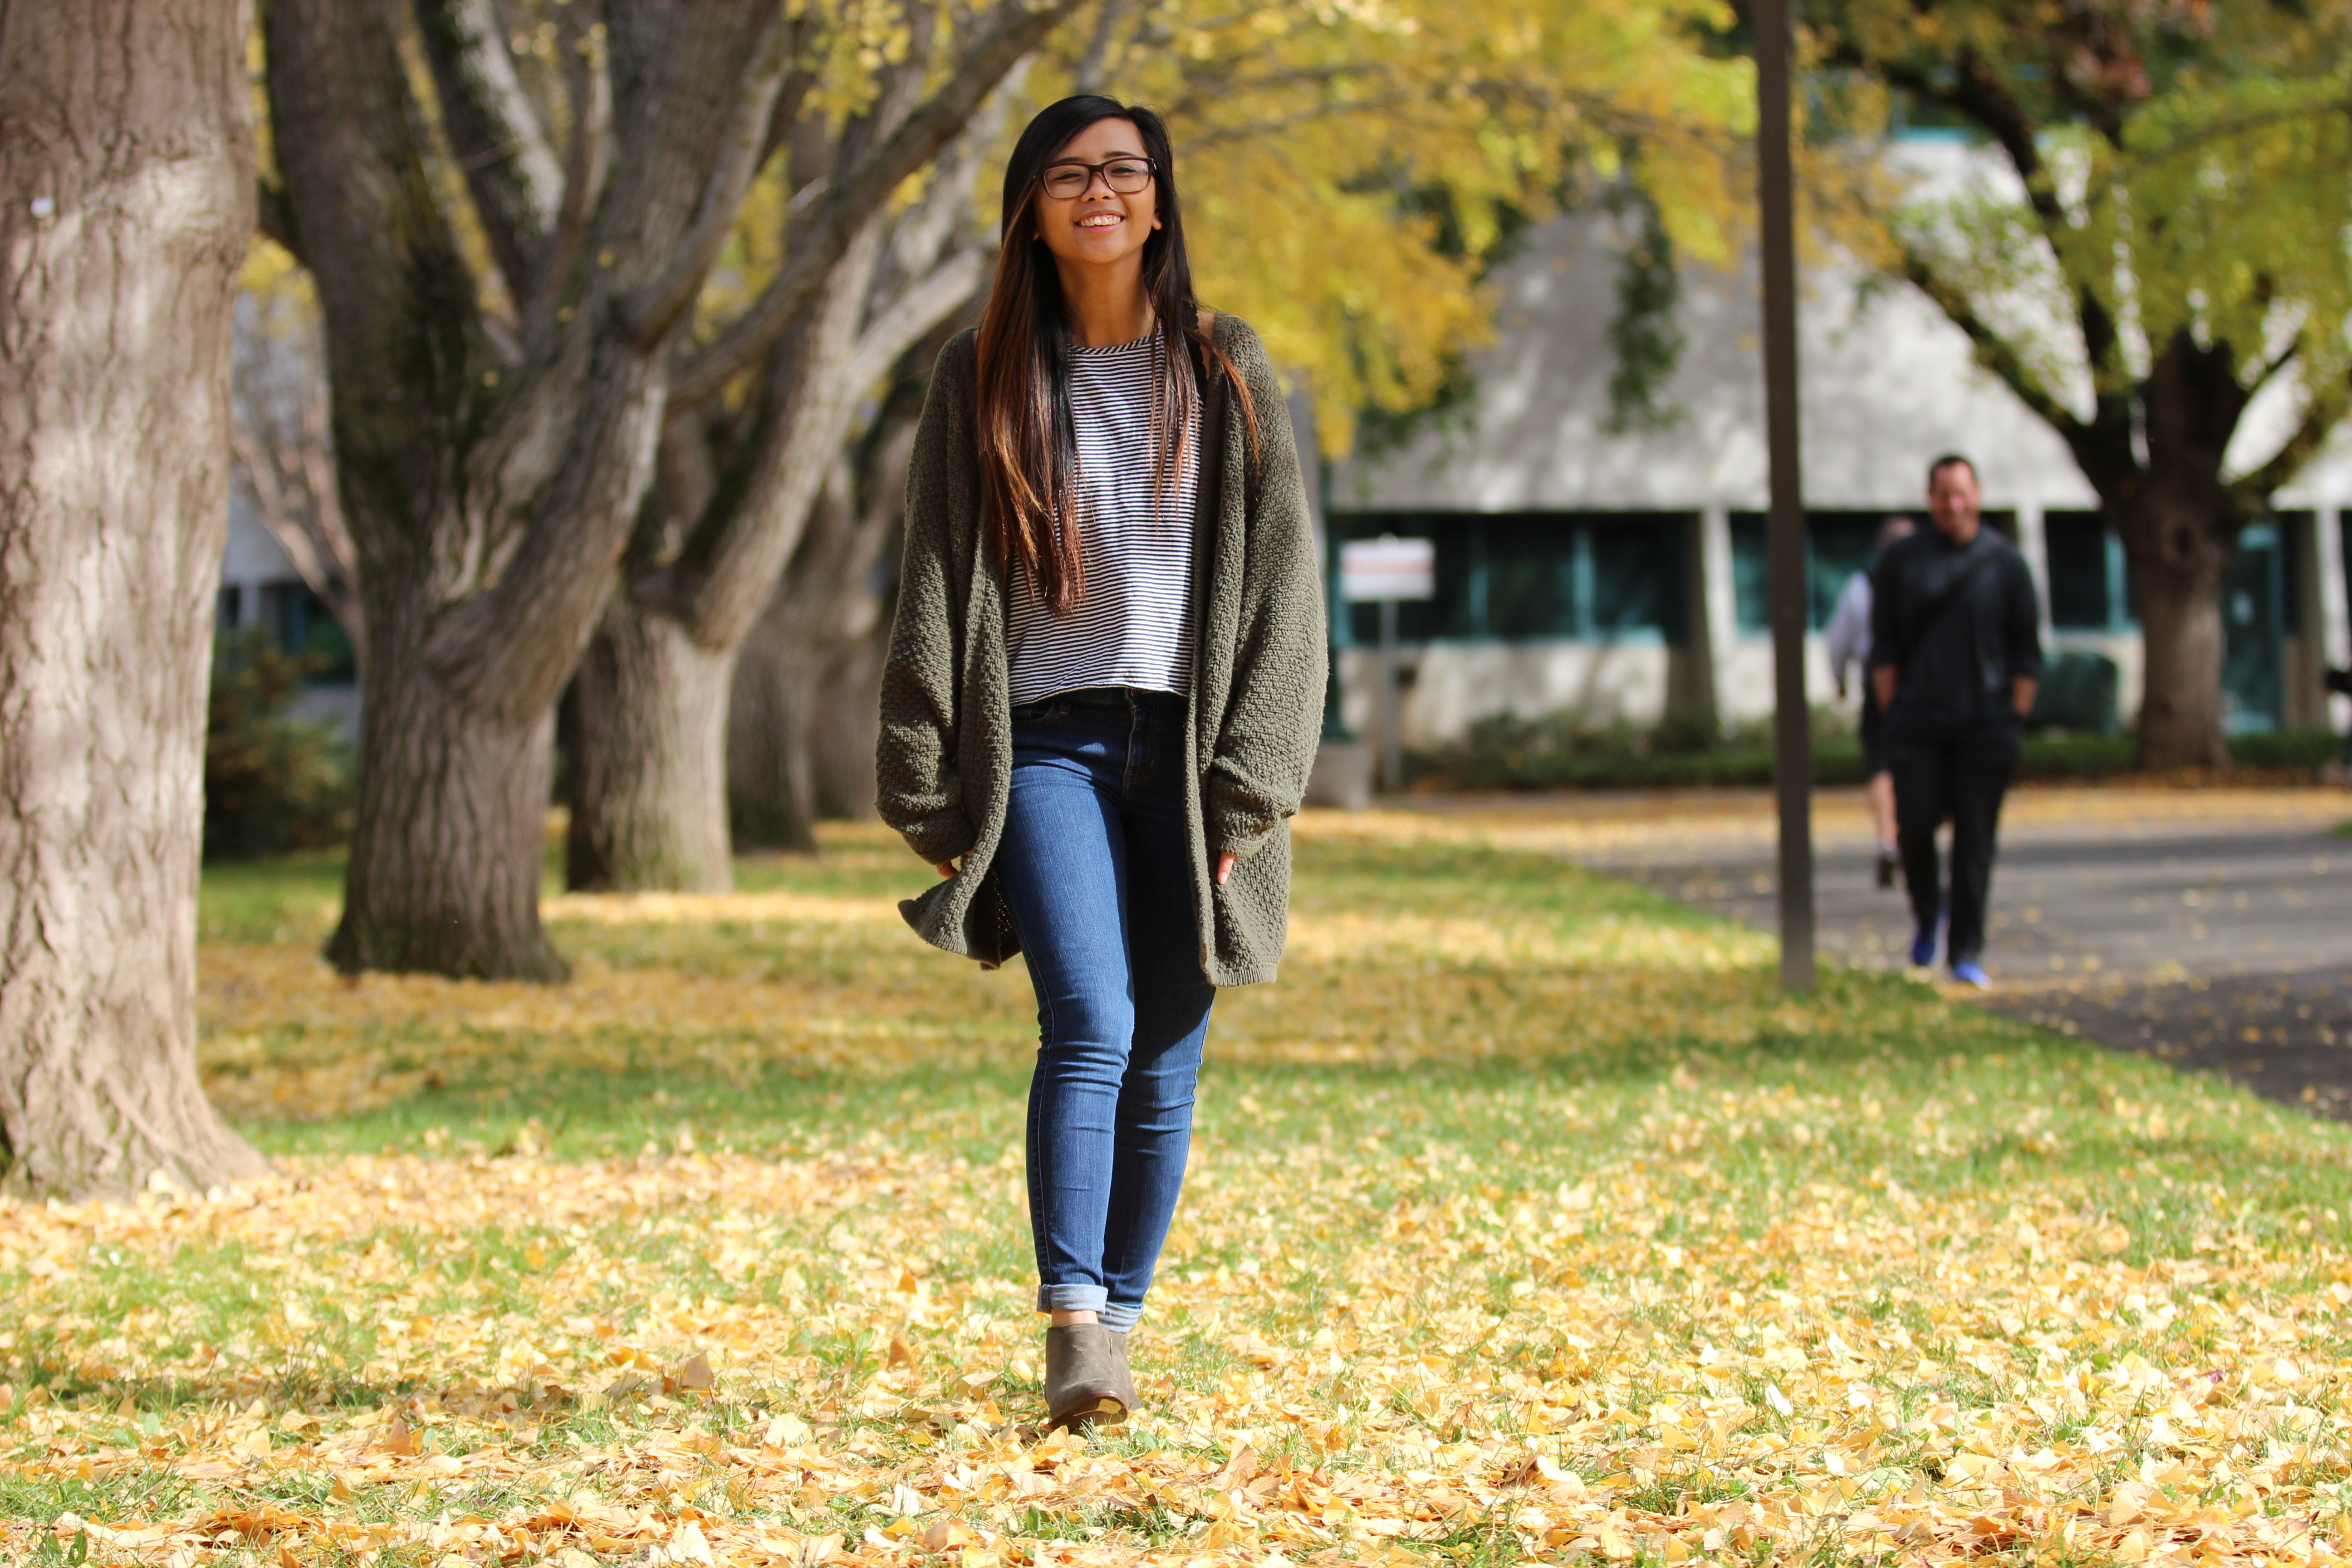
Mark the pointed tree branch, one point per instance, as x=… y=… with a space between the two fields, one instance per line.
x=2330 y=401
x=293 y=493
x=1014 y=29
x=1994 y=352
x=909 y=318
x=511 y=171
x=585 y=160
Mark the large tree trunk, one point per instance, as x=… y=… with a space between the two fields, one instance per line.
x=645 y=716
x=2179 y=527
x=801 y=733
x=450 y=829
x=771 y=773
x=2176 y=563
x=490 y=470
x=125 y=205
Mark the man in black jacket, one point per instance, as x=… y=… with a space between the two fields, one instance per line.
x=1955 y=654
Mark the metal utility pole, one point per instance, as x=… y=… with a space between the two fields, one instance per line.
x=1793 y=741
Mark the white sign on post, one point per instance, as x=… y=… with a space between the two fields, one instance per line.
x=1388 y=567
x=1385 y=570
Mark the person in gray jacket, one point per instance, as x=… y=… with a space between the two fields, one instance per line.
x=1103 y=692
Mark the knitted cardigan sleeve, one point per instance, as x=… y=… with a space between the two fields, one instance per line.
x=919 y=790
x=1273 y=712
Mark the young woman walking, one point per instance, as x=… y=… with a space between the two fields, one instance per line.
x=1103 y=693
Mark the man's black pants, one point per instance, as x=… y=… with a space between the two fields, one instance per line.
x=1957 y=774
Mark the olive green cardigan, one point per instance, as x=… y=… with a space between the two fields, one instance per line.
x=945 y=758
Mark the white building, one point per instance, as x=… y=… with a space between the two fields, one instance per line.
x=1618 y=574
x=260 y=587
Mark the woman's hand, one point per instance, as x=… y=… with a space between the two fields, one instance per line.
x=1224 y=869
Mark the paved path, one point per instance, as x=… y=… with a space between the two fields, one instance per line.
x=2211 y=928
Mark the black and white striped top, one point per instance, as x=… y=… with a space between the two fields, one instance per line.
x=1133 y=624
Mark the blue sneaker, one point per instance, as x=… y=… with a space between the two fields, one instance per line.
x=1923 y=945
x=1968 y=971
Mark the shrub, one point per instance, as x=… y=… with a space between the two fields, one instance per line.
x=271 y=783
x=1568 y=750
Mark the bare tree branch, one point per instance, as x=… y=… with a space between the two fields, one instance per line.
x=2329 y=402
x=513 y=174
x=284 y=459
x=1014 y=31
x=1103 y=47
x=590 y=92
x=1995 y=353
x=910 y=318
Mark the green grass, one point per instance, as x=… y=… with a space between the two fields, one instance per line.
x=1532 y=1143
x=1452 y=1054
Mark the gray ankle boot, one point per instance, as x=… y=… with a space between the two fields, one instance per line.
x=1084 y=1377
x=1126 y=1379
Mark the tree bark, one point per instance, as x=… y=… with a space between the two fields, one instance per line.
x=450 y=829
x=2179 y=522
x=647 y=716
x=801 y=725
x=126 y=204
x=2180 y=620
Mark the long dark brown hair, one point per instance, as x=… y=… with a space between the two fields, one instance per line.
x=1028 y=439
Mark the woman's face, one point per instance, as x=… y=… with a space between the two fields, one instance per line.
x=1098 y=226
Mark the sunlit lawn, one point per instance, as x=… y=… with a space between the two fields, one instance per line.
x=1525 y=1221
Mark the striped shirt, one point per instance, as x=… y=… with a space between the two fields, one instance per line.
x=1132 y=626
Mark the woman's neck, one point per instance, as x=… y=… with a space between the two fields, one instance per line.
x=1104 y=304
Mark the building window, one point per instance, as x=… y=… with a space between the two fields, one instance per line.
x=300 y=623
x=1534 y=576
x=2089 y=586
x=1837 y=545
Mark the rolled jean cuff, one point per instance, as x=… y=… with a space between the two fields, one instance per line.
x=1120 y=1315
x=1073 y=1298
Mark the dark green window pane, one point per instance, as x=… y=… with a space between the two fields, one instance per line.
x=2076 y=546
x=1838 y=544
x=1637 y=576
x=1531 y=576
x=2295 y=538
x=1752 y=575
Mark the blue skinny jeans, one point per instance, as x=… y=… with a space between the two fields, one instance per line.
x=1097 y=873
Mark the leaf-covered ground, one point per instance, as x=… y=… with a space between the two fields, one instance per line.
x=1525 y=1221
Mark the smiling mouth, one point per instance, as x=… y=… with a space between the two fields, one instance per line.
x=1100 y=220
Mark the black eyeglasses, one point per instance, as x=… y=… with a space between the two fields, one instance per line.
x=1067 y=182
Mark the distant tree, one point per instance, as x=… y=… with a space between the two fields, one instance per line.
x=2179 y=214
x=756 y=427
x=510 y=245
x=126 y=202
x=803 y=717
